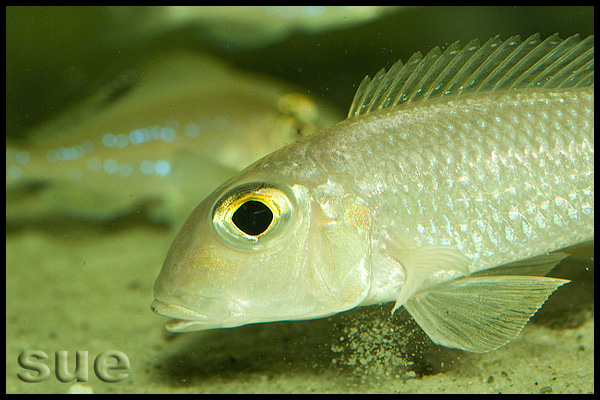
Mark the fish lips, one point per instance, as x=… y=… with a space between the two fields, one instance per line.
x=184 y=319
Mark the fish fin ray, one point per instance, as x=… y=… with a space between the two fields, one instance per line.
x=494 y=66
x=480 y=314
x=358 y=100
x=426 y=266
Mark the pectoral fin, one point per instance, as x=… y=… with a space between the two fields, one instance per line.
x=480 y=314
x=426 y=266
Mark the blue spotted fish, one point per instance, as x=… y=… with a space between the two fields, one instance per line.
x=158 y=140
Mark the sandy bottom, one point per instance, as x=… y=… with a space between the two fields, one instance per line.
x=72 y=286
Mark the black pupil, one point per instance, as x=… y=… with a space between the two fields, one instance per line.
x=253 y=217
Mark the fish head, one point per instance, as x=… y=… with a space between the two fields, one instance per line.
x=261 y=251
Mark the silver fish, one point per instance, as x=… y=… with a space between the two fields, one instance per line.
x=444 y=190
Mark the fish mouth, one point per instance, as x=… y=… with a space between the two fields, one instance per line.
x=184 y=319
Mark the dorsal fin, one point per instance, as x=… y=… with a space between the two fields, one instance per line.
x=496 y=65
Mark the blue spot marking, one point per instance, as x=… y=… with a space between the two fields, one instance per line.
x=110 y=166
x=192 y=130
x=137 y=137
x=14 y=172
x=167 y=134
x=162 y=167
x=109 y=140
x=22 y=157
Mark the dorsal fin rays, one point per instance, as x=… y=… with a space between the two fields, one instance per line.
x=514 y=65
x=386 y=85
x=537 y=73
x=567 y=78
x=394 y=78
x=457 y=58
x=495 y=66
x=479 y=65
x=497 y=61
x=583 y=77
x=579 y=59
x=401 y=85
x=373 y=89
x=359 y=96
x=424 y=87
x=414 y=82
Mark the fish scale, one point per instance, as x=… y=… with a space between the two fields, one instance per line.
x=503 y=163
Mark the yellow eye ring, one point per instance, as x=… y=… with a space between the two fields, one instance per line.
x=251 y=213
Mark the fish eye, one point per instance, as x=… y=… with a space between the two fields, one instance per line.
x=253 y=217
x=252 y=214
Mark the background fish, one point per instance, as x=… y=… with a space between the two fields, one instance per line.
x=157 y=140
x=448 y=166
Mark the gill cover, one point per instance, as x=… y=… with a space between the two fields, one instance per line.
x=338 y=247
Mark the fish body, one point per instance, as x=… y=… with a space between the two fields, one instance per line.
x=157 y=140
x=453 y=178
